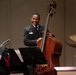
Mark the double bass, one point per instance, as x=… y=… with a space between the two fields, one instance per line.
x=50 y=46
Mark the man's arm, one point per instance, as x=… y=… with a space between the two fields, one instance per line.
x=26 y=39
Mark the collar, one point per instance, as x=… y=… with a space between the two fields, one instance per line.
x=35 y=25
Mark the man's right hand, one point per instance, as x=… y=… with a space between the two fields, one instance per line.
x=39 y=39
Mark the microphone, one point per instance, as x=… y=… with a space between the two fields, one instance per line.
x=5 y=43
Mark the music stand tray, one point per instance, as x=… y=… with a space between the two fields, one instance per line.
x=32 y=55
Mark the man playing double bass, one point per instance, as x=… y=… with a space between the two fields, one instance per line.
x=37 y=32
x=34 y=32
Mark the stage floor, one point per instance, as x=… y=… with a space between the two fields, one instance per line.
x=17 y=74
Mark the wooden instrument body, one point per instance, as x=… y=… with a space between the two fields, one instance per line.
x=52 y=51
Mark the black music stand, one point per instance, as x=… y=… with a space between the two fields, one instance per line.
x=15 y=64
x=32 y=56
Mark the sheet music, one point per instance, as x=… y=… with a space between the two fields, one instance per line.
x=19 y=55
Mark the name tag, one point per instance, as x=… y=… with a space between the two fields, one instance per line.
x=30 y=32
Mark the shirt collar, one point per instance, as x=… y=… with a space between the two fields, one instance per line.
x=35 y=26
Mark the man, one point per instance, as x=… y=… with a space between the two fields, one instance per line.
x=34 y=32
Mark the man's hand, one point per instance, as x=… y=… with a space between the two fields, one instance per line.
x=39 y=39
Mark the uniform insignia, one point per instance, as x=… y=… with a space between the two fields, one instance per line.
x=30 y=32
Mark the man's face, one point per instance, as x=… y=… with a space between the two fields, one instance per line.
x=35 y=19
